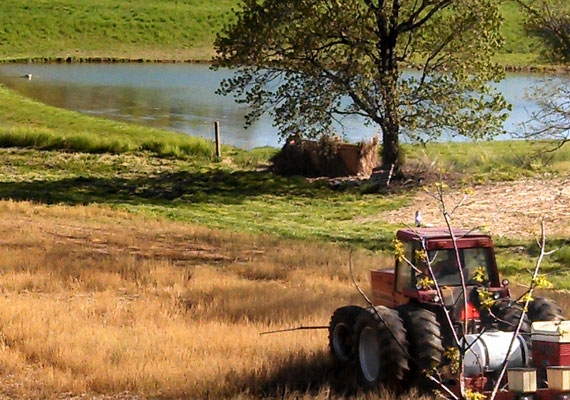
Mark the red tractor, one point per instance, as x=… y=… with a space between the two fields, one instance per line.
x=406 y=333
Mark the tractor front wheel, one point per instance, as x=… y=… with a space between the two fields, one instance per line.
x=542 y=309
x=382 y=348
x=341 y=332
x=508 y=314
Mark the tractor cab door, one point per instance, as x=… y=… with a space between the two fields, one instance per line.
x=405 y=275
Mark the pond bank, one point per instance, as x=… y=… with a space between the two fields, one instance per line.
x=546 y=68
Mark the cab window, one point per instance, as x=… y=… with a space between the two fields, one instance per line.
x=445 y=268
x=404 y=271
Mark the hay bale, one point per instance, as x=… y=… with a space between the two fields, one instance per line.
x=329 y=156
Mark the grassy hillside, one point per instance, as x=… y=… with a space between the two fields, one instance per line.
x=166 y=29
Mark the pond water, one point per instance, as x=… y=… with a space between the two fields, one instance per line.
x=181 y=97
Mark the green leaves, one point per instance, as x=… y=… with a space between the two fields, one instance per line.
x=312 y=62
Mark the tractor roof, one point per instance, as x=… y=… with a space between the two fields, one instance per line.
x=437 y=233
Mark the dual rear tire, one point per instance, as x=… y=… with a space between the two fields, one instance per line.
x=374 y=341
x=341 y=329
x=386 y=346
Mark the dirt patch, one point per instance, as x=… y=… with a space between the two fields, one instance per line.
x=512 y=209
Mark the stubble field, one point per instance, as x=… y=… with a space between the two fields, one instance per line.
x=100 y=302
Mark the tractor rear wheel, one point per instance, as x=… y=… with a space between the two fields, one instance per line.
x=341 y=329
x=509 y=313
x=424 y=338
x=382 y=348
x=542 y=309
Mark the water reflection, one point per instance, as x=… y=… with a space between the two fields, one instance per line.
x=182 y=97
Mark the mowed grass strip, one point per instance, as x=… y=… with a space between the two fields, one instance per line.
x=166 y=29
x=212 y=195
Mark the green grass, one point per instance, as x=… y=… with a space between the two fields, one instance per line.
x=485 y=161
x=517 y=260
x=157 y=30
x=516 y=39
x=218 y=196
x=165 y=29
x=200 y=193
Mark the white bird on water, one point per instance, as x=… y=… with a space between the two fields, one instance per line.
x=418 y=218
x=28 y=76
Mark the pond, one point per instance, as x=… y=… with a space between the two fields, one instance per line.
x=181 y=97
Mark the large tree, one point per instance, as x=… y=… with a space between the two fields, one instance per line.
x=312 y=62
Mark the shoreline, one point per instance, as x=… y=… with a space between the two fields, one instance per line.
x=554 y=69
x=100 y=60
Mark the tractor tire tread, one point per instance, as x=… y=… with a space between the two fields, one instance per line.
x=393 y=345
x=424 y=337
x=348 y=316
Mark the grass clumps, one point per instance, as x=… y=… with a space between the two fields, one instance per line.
x=480 y=162
x=46 y=139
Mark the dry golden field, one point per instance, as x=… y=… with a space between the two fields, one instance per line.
x=97 y=303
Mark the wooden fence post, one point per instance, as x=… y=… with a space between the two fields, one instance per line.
x=218 y=139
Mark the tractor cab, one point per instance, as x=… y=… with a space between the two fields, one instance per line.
x=406 y=283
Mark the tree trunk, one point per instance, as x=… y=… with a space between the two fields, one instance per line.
x=390 y=124
x=391 y=147
x=391 y=121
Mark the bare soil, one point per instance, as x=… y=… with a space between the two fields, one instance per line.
x=512 y=209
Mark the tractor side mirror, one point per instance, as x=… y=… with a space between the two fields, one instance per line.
x=505 y=282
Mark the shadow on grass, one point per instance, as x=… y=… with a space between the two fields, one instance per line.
x=182 y=187
x=172 y=190
x=302 y=375
x=317 y=376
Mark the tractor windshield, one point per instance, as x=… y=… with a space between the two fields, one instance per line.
x=475 y=263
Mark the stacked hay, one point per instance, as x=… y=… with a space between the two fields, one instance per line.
x=329 y=156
